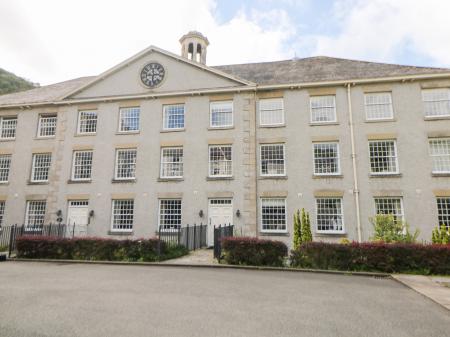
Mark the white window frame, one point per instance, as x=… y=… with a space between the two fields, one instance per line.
x=29 y=203
x=402 y=215
x=163 y=163
x=446 y=213
x=436 y=157
x=427 y=101
x=3 y=129
x=218 y=103
x=370 y=100
x=5 y=167
x=224 y=161
x=338 y=159
x=311 y=99
x=34 y=168
x=261 y=146
x=80 y=112
x=48 y=118
x=122 y=117
x=265 y=106
x=166 y=120
x=261 y=201
x=330 y=231
x=74 y=166
x=116 y=166
x=170 y=227
x=397 y=169
x=123 y=224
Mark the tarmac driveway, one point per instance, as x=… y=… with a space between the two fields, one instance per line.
x=44 y=299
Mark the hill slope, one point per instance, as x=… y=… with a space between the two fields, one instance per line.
x=12 y=83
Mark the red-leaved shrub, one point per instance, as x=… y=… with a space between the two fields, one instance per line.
x=253 y=251
x=379 y=257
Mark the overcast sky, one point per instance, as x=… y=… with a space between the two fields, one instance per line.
x=49 y=41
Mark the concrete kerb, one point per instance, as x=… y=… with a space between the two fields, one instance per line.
x=217 y=266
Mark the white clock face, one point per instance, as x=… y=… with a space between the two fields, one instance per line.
x=152 y=75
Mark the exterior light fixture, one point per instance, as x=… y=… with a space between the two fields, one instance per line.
x=238 y=213
x=200 y=214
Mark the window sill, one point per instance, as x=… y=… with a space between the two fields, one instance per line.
x=170 y=179
x=273 y=177
x=219 y=178
x=323 y=123
x=327 y=176
x=120 y=133
x=384 y=120
x=4 y=183
x=44 y=138
x=447 y=174
x=128 y=233
x=272 y=126
x=274 y=233
x=121 y=181
x=172 y=130
x=211 y=128
x=331 y=234
x=70 y=181
x=387 y=175
x=29 y=182
x=437 y=118
x=7 y=139
x=85 y=134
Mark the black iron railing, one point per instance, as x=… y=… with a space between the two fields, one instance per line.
x=219 y=233
x=192 y=237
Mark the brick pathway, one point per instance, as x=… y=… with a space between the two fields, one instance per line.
x=200 y=256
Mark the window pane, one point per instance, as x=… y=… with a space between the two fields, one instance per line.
x=220 y=163
x=391 y=206
x=5 y=164
x=47 y=126
x=174 y=116
x=383 y=157
x=41 y=166
x=172 y=162
x=440 y=155
x=87 y=122
x=323 y=109
x=221 y=114
x=122 y=215
x=8 y=127
x=326 y=158
x=273 y=214
x=82 y=165
x=129 y=119
x=170 y=213
x=378 y=106
x=126 y=164
x=329 y=215
x=443 y=205
x=272 y=160
x=271 y=111
x=436 y=102
x=35 y=214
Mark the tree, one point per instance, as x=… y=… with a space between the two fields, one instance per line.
x=306 y=227
x=388 y=229
x=297 y=241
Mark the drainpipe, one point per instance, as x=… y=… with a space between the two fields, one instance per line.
x=355 y=175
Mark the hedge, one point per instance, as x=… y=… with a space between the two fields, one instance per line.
x=253 y=251
x=99 y=249
x=380 y=257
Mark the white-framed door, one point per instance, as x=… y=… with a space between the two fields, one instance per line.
x=77 y=217
x=220 y=212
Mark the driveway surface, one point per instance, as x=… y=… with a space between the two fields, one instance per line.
x=47 y=299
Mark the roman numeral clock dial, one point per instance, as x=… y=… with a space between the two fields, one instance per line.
x=152 y=75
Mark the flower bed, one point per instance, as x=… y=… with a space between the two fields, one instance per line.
x=99 y=249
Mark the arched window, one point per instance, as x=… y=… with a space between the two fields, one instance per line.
x=198 y=54
x=190 y=54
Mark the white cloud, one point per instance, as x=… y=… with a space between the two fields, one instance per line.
x=49 y=41
x=384 y=30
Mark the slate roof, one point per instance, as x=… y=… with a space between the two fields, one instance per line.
x=305 y=70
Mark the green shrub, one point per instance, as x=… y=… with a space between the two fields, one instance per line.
x=297 y=235
x=306 y=227
x=441 y=235
x=389 y=230
x=253 y=251
x=378 y=257
x=98 y=249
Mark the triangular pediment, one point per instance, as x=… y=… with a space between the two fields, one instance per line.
x=179 y=75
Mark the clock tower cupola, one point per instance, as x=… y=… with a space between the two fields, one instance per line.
x=193 y=46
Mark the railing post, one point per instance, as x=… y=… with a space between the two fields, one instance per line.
x=195 y=235
x=179 y=235
x=159 y=243
x=187 y=236
x=73 y=230
x=12 y=231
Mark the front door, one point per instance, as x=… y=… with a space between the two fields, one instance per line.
x=220 y=212
x=77 y=218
